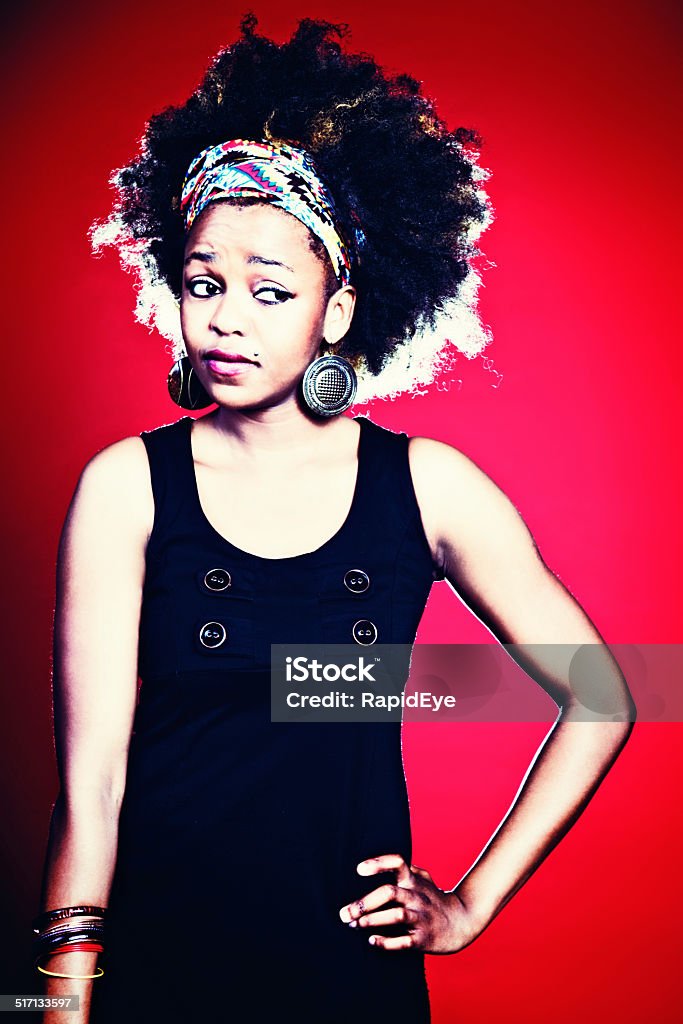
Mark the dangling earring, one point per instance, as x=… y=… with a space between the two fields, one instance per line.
x=184 y=386
x=329 y=385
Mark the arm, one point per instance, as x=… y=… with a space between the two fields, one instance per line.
x=100 y=574
x=489 y=557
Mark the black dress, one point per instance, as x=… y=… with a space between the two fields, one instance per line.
x=239 y=836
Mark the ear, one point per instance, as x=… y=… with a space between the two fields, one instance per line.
x=339 y=314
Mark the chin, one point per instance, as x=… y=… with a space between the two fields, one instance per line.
x=240 y=401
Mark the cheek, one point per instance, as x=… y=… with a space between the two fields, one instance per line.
x=304 y=320
x=290 y=352
x=189 y=321
x=299 y=341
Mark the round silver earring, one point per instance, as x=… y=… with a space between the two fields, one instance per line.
x=329 y=385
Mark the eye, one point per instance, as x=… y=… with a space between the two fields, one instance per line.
x=280 y=295
x=202 y=288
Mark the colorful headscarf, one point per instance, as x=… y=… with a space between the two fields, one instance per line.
x=284 y=175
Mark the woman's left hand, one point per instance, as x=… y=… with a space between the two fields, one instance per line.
x=435 y=921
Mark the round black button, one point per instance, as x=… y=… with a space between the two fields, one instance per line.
x=364 y=632
x=213 y=634
x=217 y=579
x=356 y=581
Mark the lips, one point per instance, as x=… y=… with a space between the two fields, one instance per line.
x=217 y=355
x=227 y=365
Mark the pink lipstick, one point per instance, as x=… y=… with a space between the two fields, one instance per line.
x=227 y=364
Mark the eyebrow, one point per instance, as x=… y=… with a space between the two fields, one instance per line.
x=211 y=257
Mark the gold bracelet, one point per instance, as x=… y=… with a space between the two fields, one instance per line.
x=76 y=977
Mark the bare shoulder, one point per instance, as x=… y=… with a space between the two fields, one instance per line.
x=115 y=488
x=488 y=554
x=463 y=509
x=436 y=465
x=124 y=458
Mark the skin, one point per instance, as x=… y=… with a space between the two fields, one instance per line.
x=261 y=442
x=251 y=279
x=261 y=434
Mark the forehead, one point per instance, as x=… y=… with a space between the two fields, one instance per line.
x=262 y=228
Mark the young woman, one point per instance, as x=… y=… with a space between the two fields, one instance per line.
x=312 y=218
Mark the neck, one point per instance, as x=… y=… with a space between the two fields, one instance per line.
x=269 y=432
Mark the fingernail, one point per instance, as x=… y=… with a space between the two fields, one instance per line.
x=353 y=924
x=345 y=915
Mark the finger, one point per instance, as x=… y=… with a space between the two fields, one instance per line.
x=397 y=942
x=396 y=915
x=374 y=899
x=422 y=872
x=387 y=862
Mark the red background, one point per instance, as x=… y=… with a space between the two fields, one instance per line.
x=578 y=108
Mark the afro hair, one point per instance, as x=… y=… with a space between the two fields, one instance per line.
x=412 y=186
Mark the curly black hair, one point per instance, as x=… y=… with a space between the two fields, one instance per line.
x=390 y=162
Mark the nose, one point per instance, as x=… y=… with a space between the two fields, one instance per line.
x=229 y=314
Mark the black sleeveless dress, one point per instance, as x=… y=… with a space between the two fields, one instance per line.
x=239 y=836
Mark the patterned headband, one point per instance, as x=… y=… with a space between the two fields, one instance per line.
x=284 y=175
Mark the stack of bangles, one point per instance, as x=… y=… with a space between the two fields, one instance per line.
x=52 y=937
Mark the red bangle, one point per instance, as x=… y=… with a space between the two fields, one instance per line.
x=79 y=946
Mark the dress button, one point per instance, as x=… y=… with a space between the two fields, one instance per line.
x=217 y=579
x=213 y=634
x=364 y=632
x=356 y=581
